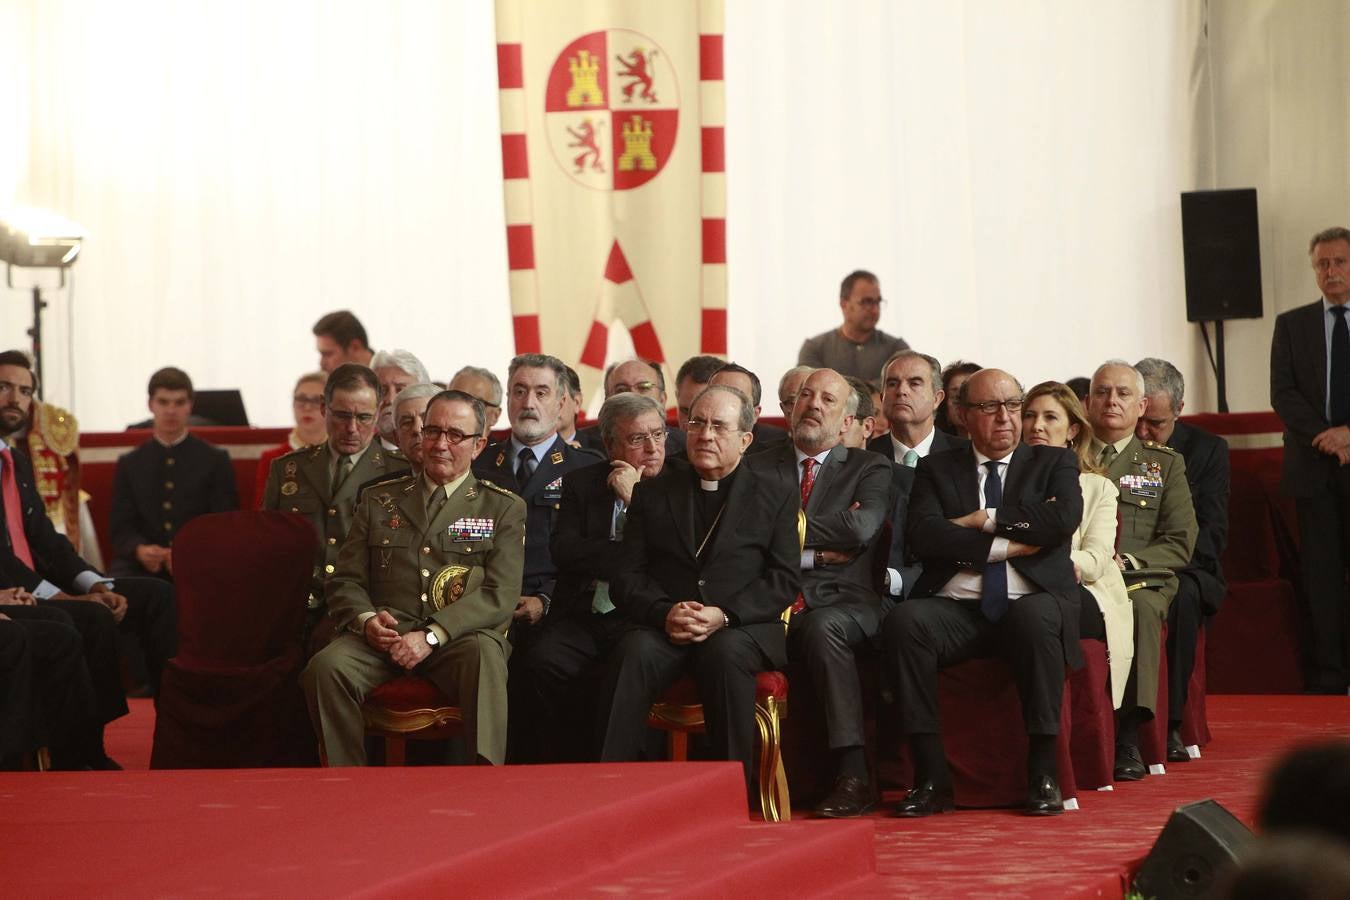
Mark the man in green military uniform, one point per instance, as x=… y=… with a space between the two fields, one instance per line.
x=321 y=482
x=1157 y=534
x=426 y=582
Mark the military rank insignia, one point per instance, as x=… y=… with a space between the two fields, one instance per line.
x=556 y=458
x=471 y=529
x=291 y=468
x=289 y=488
x=395 y=521
x=501 y=458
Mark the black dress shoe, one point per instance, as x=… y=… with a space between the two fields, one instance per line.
x=1043 y=799
x=1129 y=763
x=1176 y=748
x=925 y=800
x=849 y=798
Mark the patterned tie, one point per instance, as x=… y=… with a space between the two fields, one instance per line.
x=525 y=469
x=994 y=592
x=9 y=484
x=1339 y=402
x=910 y=459
x=808 y=482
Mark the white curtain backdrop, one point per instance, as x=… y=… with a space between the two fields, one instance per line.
x=1009 y=169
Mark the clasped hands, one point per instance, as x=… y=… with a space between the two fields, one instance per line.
x=690 y=622
x=406 y=650
x=101 y=593
x=154 y=558
x=979 y=517
x=1334 y=441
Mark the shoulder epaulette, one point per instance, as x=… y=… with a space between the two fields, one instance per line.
x=496 y=487
x=1162 y=448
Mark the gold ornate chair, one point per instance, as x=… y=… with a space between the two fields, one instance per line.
x=409 y=707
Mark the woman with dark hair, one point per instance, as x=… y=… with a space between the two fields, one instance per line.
x=1052 y=415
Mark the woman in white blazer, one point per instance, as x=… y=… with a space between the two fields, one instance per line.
x=1052 y=415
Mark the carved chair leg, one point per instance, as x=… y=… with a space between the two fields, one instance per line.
x=773 y=791
x=678 y=744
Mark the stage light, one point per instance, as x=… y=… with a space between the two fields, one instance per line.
x=38 y=239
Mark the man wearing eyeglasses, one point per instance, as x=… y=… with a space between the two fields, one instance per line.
x=709 y=562
x=550 y=720
x=322 y=482
x=640 y=377
x=992 y=523
x=857 y=347
x=425 y=583
x=1158 y=530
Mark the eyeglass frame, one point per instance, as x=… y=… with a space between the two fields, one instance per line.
x=1013 y=406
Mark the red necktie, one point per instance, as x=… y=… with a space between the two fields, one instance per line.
x=9 y=484
x=808 y=482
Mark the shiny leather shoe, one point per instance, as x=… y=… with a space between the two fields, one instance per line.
x=925 y=800
x=1043 y=798
x=1129 y=763
x=1176 y=748
x=849 y=798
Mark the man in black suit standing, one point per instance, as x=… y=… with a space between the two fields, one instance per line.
x=911 y=392
x=764 y=436
x=993 y=524
x=531 y=464
x=710 y=560
x=846 y=496
x=583 y=626
x=1310 y=391
x=1200 y=585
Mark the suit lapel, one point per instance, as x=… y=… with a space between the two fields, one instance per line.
x=733 y=510
x=678 y=492
x=1317 y=352
x=825 y=478
x=315 y=469
x=967 y=485
x=413 y=505
x=1012 y=482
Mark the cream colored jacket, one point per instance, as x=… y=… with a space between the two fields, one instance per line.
x=1094 y=549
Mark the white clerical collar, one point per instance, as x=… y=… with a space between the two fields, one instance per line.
x=707 y=485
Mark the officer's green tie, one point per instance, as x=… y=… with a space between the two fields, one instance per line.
x=341 y=471
x=1108 y=456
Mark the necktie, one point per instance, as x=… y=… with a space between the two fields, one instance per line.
x=14 y=508
x=341 y=471
x=994 y=592
x=435 y=502
x=600 y=601
x=1108 y=456
x=910 y=459
x=527 y=465
x=1339 y=400
x=808 y=478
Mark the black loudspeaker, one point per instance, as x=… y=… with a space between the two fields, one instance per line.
x=1200 y=842
x=1222 y=249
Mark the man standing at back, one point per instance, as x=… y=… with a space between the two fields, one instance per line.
x=1310 y=390
x=857 y=347
x=340 y=338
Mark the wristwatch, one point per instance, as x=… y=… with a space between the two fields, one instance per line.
x=432 y=640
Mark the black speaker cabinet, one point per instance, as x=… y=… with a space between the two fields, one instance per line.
x=1222 y=248
x=1199 y=842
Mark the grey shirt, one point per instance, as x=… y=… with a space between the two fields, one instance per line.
x=832 y=350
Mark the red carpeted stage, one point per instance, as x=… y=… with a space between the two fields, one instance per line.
x=671 y=829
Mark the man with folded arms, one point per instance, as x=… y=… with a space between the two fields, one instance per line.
x=992 y=523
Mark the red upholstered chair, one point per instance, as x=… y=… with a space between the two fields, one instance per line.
x=231 y=696
x=409 y=707
x=1092 y=724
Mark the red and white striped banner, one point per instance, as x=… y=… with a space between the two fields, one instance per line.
x=613 y=115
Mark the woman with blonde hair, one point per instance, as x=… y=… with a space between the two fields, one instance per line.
x=1052 y=415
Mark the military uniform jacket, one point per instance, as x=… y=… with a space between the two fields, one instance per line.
x=300 y=482
x=1157 y=519
x=158 y=489
x=392 y=556
x=542 y=495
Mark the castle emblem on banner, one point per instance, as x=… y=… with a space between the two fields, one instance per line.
x=612 y=109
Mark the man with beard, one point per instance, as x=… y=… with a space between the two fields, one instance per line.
x=531 y=464
x=583 y=626
x=846 y=496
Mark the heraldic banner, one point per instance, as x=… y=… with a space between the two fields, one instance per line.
x=612 y=118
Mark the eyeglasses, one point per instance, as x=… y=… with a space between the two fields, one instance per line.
x=346 y=418
x=871 y=302
x=637 y=387
x=433 y=435
x=991 y=407
x=717 y=428
x=309 y=401
x=642 y=437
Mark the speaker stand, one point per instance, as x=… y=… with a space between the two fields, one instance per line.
x=1222 y=370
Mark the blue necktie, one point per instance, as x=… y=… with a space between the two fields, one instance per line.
x=994 y=592
x=1339 y=402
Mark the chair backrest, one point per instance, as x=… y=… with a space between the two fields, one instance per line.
x=242 y=579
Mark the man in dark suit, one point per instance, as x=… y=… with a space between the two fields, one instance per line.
x=37 y=558
x=709 y=563
x=1200 y=585
x=846 y=496
x=639 y=377
x=910 y=395
x=993 y=524
x=1310 y=391
x=764 y=436
x=583 y=625
x=531 y=464
x=166 y=482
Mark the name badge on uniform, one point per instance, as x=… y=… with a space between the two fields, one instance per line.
x=471 y=529
x=1149 y=485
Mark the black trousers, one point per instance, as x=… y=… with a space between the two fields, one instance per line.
x=821 y=643
x=926 y=634
x=152 y=618
x=645 y=664
x=1324 y=553
x=1185 y=618
x=552 y=715
x=98 y=635
x=52 y=696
